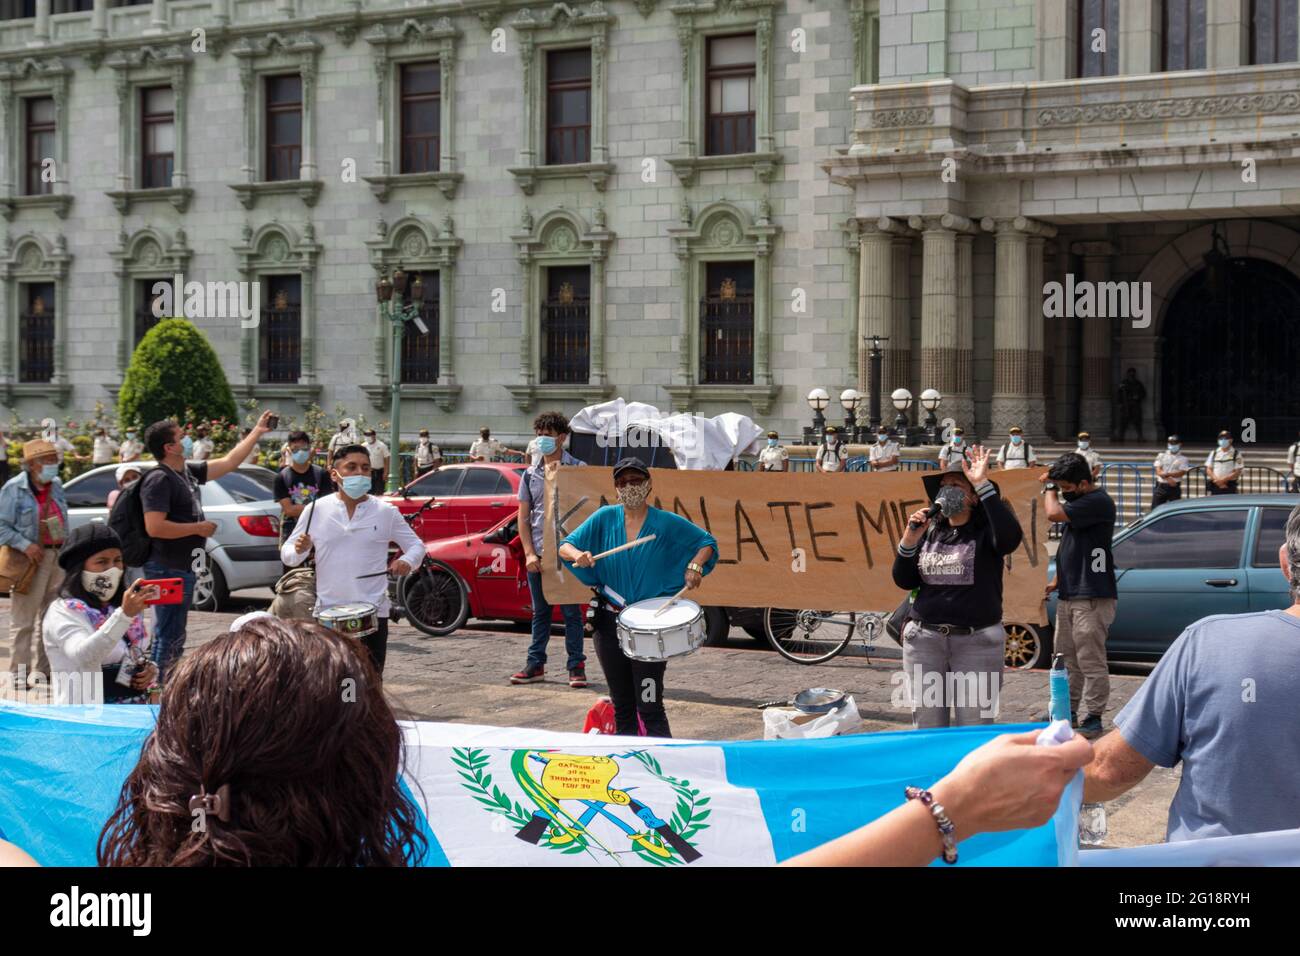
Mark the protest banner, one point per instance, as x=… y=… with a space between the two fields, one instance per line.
x=797 y=540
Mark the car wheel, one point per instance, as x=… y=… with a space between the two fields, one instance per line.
x=210 y=591
x=717 y=625
x=1027 y=647
x=758 y=634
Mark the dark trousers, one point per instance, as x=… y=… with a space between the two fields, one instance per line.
x=634 y=686
x=377 y=482
x=1163 y=493
x=377 y=645
x=1214 y=489
x=542 y=614
x=170 y=620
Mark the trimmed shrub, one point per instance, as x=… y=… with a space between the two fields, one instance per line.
x=175 y=371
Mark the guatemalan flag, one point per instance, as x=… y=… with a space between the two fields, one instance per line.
x=496 y=796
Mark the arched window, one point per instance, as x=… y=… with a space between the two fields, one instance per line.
x=1273 y=31
x=1183 y=35
x=1098 y=37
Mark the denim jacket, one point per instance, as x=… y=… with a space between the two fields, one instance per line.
x=19 y=526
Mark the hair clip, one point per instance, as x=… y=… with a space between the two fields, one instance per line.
x=217 y=804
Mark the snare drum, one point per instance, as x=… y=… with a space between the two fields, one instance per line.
x=678 y=630
x=351 y=620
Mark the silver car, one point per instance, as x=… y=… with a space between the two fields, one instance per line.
x=244 y=552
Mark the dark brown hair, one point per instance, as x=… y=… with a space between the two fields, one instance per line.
x=292 y=717
x=555 y=421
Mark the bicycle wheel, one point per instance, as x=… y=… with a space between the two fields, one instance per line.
x=809 y=637
x=435 y=600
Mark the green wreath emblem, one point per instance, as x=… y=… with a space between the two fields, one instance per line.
x=687 y=819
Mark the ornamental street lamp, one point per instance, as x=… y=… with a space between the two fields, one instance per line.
x=902 y=400
x=849 y=399
x=876 y=356
x=390 y=293
x=818 y=399
x=930 y=401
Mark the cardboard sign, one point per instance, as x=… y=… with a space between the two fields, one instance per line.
x=797 y=540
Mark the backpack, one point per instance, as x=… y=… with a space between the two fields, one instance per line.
x=127 y=522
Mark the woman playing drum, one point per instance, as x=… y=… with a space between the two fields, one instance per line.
x=680 y=555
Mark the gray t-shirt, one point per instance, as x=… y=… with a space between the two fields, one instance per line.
x=533 y=490
x=1223 y=701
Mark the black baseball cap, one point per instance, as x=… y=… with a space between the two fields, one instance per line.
x=630 y=463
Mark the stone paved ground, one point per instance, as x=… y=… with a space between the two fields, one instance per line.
x=713 y=694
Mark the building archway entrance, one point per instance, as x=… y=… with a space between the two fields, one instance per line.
x=1231 y=351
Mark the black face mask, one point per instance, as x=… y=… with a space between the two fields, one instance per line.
x=1071 y=495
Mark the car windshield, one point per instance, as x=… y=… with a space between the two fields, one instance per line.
x=248 y=484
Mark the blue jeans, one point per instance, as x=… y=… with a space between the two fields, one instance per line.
x=169 y=619
x=542 y=627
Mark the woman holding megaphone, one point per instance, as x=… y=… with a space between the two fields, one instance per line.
x=952 y=554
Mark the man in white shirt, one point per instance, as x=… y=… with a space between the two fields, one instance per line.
x=1224 y=467
x=346 y=435
x=488 y=448
x=378 y=453
x=883 y=455
x=1016 y=453
x=1293 y=460
x=832 y=455
x=105 y=448
x=131 y=448
x=427 y=455
x=350 y=535
x=774 y=457
x=1094 y=459
x=1170 y=467
x=203 y=445
x=955 y=452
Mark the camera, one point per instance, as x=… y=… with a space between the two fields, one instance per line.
x=273 y=422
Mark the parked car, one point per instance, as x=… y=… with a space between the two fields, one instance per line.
x=244 y=552
x=482 y=576
x=472 y=498
x=1184 y=561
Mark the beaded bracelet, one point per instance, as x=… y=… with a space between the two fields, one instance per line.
x=946 y=827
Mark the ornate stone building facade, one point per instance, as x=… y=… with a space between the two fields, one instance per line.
x=703 y=204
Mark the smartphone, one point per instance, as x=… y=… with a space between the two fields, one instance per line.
x=169 y=590
x=273 y=422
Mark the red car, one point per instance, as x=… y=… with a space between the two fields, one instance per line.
x=470 y=498
x=482 y=575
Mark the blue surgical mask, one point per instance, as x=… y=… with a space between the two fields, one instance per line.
x=771 y=443
x=130 y=436
x=957 y=439
x=1174 y=449
x=187 y=445
x=882 y=437
x=49 y=473
x=1083 y=445
x=1016 y=439
x=546 y=445
x=356 y=486
x=1223 y=442
x=301 y=456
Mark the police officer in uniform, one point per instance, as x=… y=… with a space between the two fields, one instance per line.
x=1094 y=459
x=955 y=452
x=774 y=457
x=832 y=455
x=1224 y=467
x=884 y=453
x=1170 y=466
x=1016 y=453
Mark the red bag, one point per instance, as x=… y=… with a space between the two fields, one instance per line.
x=600 y=719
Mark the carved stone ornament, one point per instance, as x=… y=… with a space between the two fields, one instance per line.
x=413 y=245
x=149 y=254
x=32 y=259
x=1245 y=104
x=723 y=233
x=562 y=239
x=277 y=249
x=894 y=119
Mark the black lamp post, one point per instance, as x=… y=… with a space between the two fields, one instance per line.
x=902 y=400
x=849 y=402
x=876 y=357
x=389 y=293
x=930 y=401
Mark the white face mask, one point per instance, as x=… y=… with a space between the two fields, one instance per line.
x=102 y=584
x=1083 y=446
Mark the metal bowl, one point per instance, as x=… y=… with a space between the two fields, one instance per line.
x=819 y=700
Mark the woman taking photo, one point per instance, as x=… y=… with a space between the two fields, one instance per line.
x=95 y=625
x=680 y=555
x=953 y=642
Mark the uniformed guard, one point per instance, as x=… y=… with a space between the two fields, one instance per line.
x=1094 y=459
x=1171 y=466
x=955 y=452
x=1016 y=453
x=832 y=455
x=774 y=457
x=1293 y=459
x=1224 y=467
x=883 y=455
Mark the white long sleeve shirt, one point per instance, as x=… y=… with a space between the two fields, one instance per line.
x=74 y=646
x=348 y=547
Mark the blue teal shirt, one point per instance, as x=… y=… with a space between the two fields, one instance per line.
x=648 y=570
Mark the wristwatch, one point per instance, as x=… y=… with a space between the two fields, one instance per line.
x=1050 y=486
x=698 y=569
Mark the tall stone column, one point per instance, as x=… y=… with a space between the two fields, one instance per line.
x=1051 y=333
x=1095 y=401
x=959 y=392
x=898 y=353
x=876 y=297
x=942 y=309
x=1018 y=327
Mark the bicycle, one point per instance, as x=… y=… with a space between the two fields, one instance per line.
x=432 y=596
x=814 y=637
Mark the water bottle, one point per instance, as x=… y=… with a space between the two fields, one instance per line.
x=1092 y=824
x=1059 y=684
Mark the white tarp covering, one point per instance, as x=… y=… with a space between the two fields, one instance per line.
x=697 y=443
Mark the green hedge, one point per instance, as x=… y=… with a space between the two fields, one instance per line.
x=174 y=372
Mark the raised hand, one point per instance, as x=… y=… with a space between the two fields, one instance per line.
x=976 y=470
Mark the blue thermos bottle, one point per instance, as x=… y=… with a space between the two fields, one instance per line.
x=1059 y=683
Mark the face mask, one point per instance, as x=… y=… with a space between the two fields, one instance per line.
x=882 y=437
x=1071 y=495
x=187 y=445
x=424 y=439
x=1223 y=443
x=633 y=496
x=130 y=436
x=957 y=440
x=546 y=445
x=951 y=501
x=356 y=486
x=102 y=584
x=370 y=439
x=1083 y=446
x=1016 y=439
x=831 y=441
x=301 y=455
x=771 y=443
x=49 y=473
x=1174 y=449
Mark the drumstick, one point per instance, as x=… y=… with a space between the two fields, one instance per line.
x=622 y=547
x=671 y=600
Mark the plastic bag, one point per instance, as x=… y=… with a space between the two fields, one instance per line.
x=787 y=723
x=600 y=719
